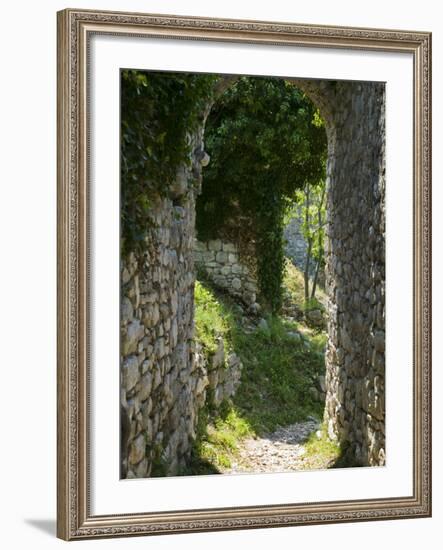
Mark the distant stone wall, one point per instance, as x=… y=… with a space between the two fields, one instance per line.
x=221 y=264
x=296 y=246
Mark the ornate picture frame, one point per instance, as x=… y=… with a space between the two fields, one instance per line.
x=75 y=519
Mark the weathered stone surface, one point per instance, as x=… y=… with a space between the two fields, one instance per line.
x=221 y=257
x=215 y=245
x=137 y=450
x=315 y=317
x=126 y=310
x=379 y=341
x=134 y=332
x=130 y=373
x=223 y=267
x=145 y=387
x=355 y=266
x=218 y=358
x=229 y=247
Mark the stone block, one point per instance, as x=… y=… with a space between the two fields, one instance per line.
x=151 y=315
x=131 y=336
x=144 y=387
x=215 y=245
x=130 y=373
x=379 y=341
x=200 y=246
x=225 y=270
x=137 y=449
x=236 y=283
x=221 y=257
x=127 y=311
x=229 y=247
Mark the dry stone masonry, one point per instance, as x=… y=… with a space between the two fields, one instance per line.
x=355 y=265
x=220 y=263
x=162 y=382
x=165 y=379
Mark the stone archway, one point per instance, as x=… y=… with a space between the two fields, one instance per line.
x=355 y=264
x=163 y=380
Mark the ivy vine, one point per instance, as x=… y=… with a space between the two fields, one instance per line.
x=157 y=112
x=266 y=140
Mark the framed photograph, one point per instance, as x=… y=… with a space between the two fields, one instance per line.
x=244 y=247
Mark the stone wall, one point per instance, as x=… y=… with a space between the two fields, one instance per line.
x=220 y=263
x=165 y=377
x=296 y=245
x=162 y=382
x=355 y=266
x=223 y=370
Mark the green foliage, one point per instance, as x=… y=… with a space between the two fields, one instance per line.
x=319 y=448
x=211 y=319
x=293 y=282
x=278 y=371
x=159 y=467
x=310 y=207
x=221 y=440
x=266 y=140
x=277 y=374
x=157 y=109
x=311 y=304
x=313 y=216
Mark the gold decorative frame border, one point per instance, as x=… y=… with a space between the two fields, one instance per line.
x=74 y=520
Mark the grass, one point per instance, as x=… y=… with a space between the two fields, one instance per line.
x=222 y=437
x=212 y=318
x=279 y=367
x=278 y=371
x=320 y=450
x=293 y=282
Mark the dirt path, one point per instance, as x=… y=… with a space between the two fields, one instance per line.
x=280 y=451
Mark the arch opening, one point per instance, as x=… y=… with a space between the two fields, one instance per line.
x=164 y=381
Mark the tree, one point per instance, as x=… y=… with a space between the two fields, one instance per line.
x=311 y=209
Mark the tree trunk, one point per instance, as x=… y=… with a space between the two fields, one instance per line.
x=306 y=272
x=308 y=252
x=320 y=243
x=314 y=282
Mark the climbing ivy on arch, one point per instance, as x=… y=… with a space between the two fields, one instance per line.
x=158 y=109
x=266 y=140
